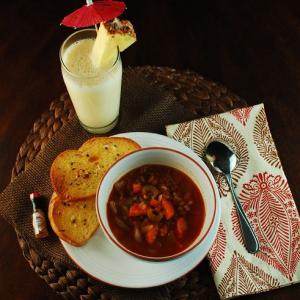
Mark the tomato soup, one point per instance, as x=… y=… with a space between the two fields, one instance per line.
x=155 y=211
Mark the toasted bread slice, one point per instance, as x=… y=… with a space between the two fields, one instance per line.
x=75 y=174
x=71 y=175
x=73 y=221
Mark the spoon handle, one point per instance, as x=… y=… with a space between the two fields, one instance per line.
x=249 y=236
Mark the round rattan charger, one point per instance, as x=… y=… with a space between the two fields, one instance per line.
x=202 y=97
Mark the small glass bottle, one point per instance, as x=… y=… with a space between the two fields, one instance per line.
x=39 y=222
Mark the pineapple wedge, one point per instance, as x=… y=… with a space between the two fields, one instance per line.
x=110 y=36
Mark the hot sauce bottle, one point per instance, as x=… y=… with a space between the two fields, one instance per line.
x=39 y=222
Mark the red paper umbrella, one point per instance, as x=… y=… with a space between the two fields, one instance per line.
x=93 y=13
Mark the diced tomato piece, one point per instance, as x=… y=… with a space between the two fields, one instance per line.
x=168 y=207
x=163 y=230
x=181 y=227
x=136 y=187
x=151 y=234
x=137 y=209
x=154 y=203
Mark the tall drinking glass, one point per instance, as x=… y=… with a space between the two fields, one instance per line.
x=95 y=92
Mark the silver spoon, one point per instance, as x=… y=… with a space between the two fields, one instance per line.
x=224 y=161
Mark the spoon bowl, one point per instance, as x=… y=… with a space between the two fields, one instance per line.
x=221 y=157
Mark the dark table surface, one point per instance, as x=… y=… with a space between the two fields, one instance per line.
x=252 y=47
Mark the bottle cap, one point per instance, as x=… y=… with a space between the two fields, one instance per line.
x=34 y=195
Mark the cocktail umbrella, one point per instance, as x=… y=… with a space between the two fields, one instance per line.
x=93 y=13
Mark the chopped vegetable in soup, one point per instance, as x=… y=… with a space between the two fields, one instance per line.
x=155 y=210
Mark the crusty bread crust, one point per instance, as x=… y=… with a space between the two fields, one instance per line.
x=75 y=174
x=74 y=221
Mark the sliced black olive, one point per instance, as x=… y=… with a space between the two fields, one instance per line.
x=154 y=216
x=149 y=191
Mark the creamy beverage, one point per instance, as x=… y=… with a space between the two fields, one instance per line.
x=92 y=71
x=95 y=92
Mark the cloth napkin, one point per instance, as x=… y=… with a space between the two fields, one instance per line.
x=263 y=190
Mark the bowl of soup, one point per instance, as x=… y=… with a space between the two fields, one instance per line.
x=157 y=203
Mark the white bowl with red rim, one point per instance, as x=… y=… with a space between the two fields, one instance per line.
x=195 y=170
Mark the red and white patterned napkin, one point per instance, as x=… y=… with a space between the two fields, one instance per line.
x=263 y=190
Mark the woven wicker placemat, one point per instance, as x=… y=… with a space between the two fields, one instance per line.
x=202 y=97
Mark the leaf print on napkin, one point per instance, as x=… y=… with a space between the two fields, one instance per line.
x=199 y=133
x=269 y=205
x=216 y=253
x=194 y=135
x=242 y=277
x=242 y=114
x=264 y=141
x=183 y=133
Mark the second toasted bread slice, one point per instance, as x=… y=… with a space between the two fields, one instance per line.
x=73 y=221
